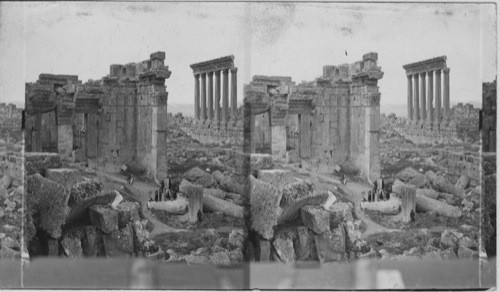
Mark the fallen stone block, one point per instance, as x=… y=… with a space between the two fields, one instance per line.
x=236 y=239
x=67 y=177
x=449 y=240
x=292 y=210
x=428 y=193
x=39 y=162
x=283 y=244
x=407 y=195
x=263 y=250
x=463 y=182
x=92 y=242
x=220 y=259
x=279 y=178
x=194 y=196
x=315 y=218
x=261 y=161
x=5 y=182
x=331 y=245
x=177 y=207
x=119 y=243
x=443 y=185
x=47 y=201
x=464 y=252
x=407 y=174
x=427 y=204
x=216 y=193
x=200 y=177
x=264 y=207
x=389 y=207
x=340 y=212
x=296 y=191
x=72 y=242
x=419 y=181
x=127 y=212
x=228 y=184
x=305 y=246
x=104 y=218
x=212 y=204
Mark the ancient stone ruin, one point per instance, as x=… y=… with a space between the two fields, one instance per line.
x=118 y=119
x=330 y=121
x=429 y=117
x=10 y=123
x=215 y=121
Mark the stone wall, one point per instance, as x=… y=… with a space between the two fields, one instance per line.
x=488 y=116
x=116 y=120
x=10 y=123
x=330 y=121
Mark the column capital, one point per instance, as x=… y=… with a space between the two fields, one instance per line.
x=438 y=71
x=197 y=75
x=409 y=76
x=203 y=75
x=234 y=70
x=217 y=73
x=430 y=73
x=423 y=74
x=210 y=74
x=446 y=70
x=225 y=71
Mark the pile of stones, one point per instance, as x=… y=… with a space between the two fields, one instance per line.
x=11 y=193
x=73 y=216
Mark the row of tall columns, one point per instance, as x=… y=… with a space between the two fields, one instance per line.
x=421 y=97
x=210 y=113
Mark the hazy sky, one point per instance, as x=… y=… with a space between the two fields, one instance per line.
x=287 y=39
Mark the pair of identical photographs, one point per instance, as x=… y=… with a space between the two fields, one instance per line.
x=320 y=146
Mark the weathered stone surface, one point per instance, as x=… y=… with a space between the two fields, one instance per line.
x=216 y=193
x=305 y=248
x=390 y=207
x=427 y=204
x=38 y=162
x=72 y=242
x=104 y=218
x=212 y=204
x=279 y=178
x=200 y=177
x=330 y=245
x=419 y=181
x=353 y=229
x=341 y=212
x=261 y=161
x=264 y=207
x=119 y=243
x=292 y=210
x=315 y=218
x=428 y=193
x=92 y=242
x=220 y=259
x=283 y=243
x=228 y=184
x=463 y=182
x=5 y=182
x=67 y=177
x=407 y=174
x=296 y=191
x=263 y=250
x=449 y=240
x=46 y=204
x=236 y=239
x=443 y=185
x=464 y=252
x=127 y=212
x=79 y=155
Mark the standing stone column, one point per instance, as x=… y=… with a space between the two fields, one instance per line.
x=410 y=98
x=203 y=97
x=446 y=95
x=438 y=99
x=217 y=98
x=430 y=97
x=225 y=96
x=197 y=97
x=416 y=97
x=423 y=114
x=210 y=108
x=234 y=87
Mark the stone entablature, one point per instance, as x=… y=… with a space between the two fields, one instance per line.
x=426 y=65
x=213 y=65
x=112 y=121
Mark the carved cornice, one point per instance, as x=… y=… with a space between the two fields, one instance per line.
x=213 y=65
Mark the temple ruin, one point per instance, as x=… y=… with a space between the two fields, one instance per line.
x=117 y=120
x=333 y=120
